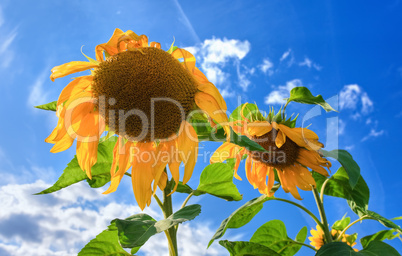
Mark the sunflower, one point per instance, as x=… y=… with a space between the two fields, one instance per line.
x=142 y=94
x=317 y=238
x=288 y=153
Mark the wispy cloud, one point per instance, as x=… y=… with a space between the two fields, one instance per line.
x=277 y=96
x=7 y=37
x=285 y=55
x=373 y=134
x=215 y=54
x=267 y=67
x=353 y=97
x=186 y=21
x=37 y=96
x=309 y=63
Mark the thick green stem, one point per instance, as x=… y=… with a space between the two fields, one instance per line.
x=171 y=233
x=325 y=227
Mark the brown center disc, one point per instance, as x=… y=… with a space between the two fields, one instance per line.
x=144 y=94
x=274 y=156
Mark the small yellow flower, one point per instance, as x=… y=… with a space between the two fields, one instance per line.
x=317 y=238
x=143 y=94
x=289 y=151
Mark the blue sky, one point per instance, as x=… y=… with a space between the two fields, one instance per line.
x=350 y=52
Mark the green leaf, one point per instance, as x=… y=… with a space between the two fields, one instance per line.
x=73 y=173
x=250 y=111
x=339 y=186
x=99 y=181
x=51 y=106
x=302 y=235
x=240 y=217
x=303 y=95
x=341 y=224
x=206 y=132
x=379 y=236
x=89 y=58
x=217 y=180
x=133 y=232
x=386 y=222
x=346 y=160
x=375 y=248
x=274 y=236
x=244 y=141
x=240 y=248
x=183 y=188
x=172 y=48
x=106 y=243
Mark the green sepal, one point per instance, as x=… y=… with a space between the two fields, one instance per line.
x=341 y=224
x=51 y=106
x=250 y=111
x=244 y=141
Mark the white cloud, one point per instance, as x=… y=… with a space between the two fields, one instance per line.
x=61 y=223
x=285 y=55
x=37 y=96
x=309 y=63
x=373 y=133
x=215 y=54
x=266 y=67
x=277 y=96
x=57 y=224
x=352 y=97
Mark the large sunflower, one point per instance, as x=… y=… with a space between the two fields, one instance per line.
x=317 y=238
x=143 y=94
x=289 y=151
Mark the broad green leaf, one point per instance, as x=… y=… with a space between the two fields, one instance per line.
x=217 y=180
x=106 y=243
x=302 y=235
x=375 y=248
x=73 y=173
x=274 y=236
x=339 y=186
x=99 y=181
x=49 y=106
x=250 y=112
x=386 y=222
x=183 y=188
x=379 y=236
x=341 y=224
x=133 y=232
x=346 y=160
x=240 y=248
x=244 y=141
x=240 y=217
x=303 y=95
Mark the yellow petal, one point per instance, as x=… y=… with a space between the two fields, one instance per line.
x=225 y=151
x=280 y=139
x=189 y=59
x=271 y=181
x=77 y=85
x=209 y=104
x=302 y=137
x=259 y=128
x=210 y=89
x=141 y=177
x=69 y=68
x=188 y=148
x=87 y=154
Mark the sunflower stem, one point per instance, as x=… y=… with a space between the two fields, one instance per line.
x=301 y=207
x=322 y=190
x=324 y=226
x=171 y=233
x=348 y=226
x=186 y=201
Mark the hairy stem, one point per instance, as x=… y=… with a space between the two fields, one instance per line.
x=171 y=233
x=325 y=227
x=348 y=226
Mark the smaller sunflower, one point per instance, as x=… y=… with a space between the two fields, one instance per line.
x=317 y=238
x=289 y=152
